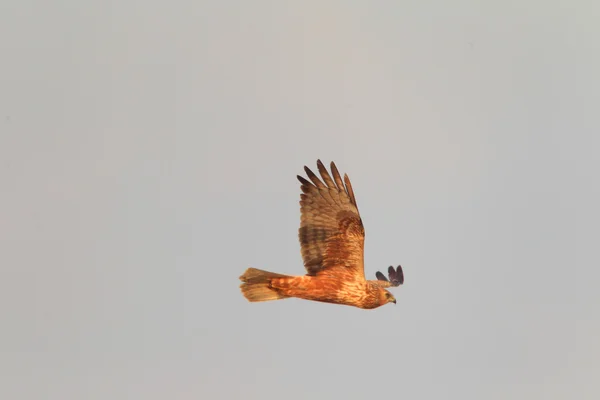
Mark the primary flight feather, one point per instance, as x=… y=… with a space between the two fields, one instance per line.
x=332 y=240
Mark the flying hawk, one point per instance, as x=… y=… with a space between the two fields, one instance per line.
x=332 y=240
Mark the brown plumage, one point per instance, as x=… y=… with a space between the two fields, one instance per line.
x=332 y=240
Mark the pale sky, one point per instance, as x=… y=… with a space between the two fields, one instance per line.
x=149 y=153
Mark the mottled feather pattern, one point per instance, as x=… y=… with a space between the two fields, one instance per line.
x=338 y=289
x=331 y=232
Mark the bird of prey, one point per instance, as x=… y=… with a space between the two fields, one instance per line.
x=332 y=240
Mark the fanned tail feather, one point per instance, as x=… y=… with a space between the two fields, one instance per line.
x=256 y=285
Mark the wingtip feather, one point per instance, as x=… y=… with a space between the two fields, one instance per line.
x=380 y=276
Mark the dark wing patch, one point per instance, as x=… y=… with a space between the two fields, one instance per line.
x=396 y=277
x=381 y=276
x=331 y=232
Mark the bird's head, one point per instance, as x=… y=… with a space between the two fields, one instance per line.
x=386 y=297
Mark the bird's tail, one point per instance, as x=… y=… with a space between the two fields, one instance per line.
x=256 y=285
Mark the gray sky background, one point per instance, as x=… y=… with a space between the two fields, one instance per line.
x=148 y=154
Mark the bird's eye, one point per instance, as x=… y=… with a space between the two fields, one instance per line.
x=387 y=295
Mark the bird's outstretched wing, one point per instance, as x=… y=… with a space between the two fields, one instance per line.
x=396 y=277
x=331 y=232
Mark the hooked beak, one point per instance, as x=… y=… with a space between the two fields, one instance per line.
x=393 y=301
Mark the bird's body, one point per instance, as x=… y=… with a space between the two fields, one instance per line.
x=332 y=240
x=334 y=289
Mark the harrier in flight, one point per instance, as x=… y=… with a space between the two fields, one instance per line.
x=332 y=239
